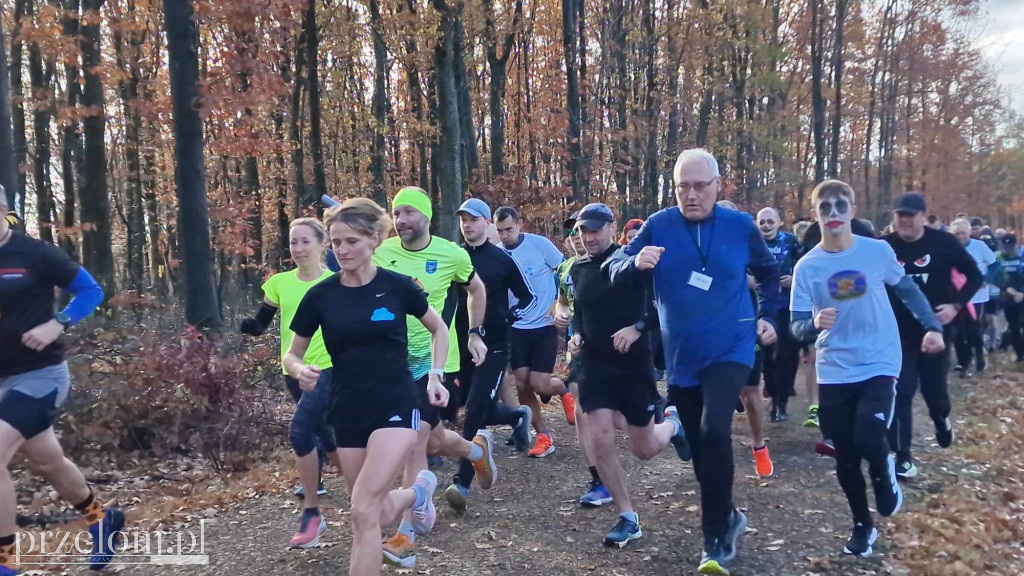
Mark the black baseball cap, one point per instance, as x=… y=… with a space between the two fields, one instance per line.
x=910 y=203
x=569 y=223
x=595 y=216
x=1008 y=240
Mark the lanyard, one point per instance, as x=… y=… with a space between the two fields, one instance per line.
x=696 y=242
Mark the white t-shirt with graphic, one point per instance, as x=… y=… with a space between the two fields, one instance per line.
x=538 y=258
x=865 y=340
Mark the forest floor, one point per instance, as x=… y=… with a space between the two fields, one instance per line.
x=964 y=512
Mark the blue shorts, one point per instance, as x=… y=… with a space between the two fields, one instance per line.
x=30 y=402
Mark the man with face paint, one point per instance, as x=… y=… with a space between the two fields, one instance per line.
x=699 y=254
x=929 y=257
x=782 y=359
x=438 y=267
x=839 y=299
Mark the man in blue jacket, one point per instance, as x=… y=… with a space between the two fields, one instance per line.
x=699 y=255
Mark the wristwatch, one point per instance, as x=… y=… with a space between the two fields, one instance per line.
x=640 y=326
x=479 y=331
x=63 y=319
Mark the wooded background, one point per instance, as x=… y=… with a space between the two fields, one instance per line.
x=148 y=134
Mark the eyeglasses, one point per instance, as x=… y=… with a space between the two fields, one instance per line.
x=841 y=206
x=698 y=187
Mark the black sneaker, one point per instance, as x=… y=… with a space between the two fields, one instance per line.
x=774 y=414
x=712 y=560
x=888 y=494
x=737 y=527
x=981 y=364
x=783 y=416
x=965 y=372
x=944 y=434
x=861 y=540
x=740 y=408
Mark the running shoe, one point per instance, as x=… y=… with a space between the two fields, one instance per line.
x=906 y=469
x=597 y=495
x=825 y=448
x=521 y=431
x=542 y=446
x=399 y=551
x=5 y=571
x=773 y=414
x=435 y=462
x=300 y=492
x=569 y=407
x=763 y=462
x=861 y=540
x=712 y=559
x=782 y=416
x=944 y=434
x=311 y=526
x=965 y=372
x=812 y=417
x=106 y=537
x=485 y=468
x=624 y=531
x=740 y=407
x=981 y=364
x=888 y=494
x=457 y=497
x=424 y=515
x=679 y=440
x=737 y=527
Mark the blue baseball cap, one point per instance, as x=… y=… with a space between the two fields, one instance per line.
x=910 y=203
x=595 y=216
x=475 y=207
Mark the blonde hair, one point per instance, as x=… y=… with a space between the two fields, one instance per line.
x=319 y=230
x=363 y=215
x=832 y=188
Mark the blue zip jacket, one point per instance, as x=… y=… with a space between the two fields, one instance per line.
x=698 y=327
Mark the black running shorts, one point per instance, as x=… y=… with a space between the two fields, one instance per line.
x=535 y=349
x=755 y=372
x=360 y=437
x=631 y=390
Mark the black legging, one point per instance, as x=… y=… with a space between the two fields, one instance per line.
x=706 y=411
x=482 y=407
x=1015 y=320
x=781 y=361
x=930 y=372
x=970 y=346
x=849 y=415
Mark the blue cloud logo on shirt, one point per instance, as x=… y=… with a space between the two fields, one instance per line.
x=847 y=285
x=382 y=315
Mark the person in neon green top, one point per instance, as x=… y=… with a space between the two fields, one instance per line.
x=311 y=438
x=436 y=265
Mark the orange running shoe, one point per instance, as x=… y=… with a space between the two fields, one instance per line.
x=542 y=447
x=399 y=551
x=763 y=462
x=569 y=406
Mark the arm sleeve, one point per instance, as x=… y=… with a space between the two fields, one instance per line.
x=415 y=298
x=910 y=294
x=463 y=266
x=516 y=281
x=577 y=317
x=894 y=271
x=307 y=317
x=964 y=262
x=766 y=272
x=87 y=296
x=801 y=324
x=621 y=265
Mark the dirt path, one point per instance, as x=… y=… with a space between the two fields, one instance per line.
x=530 y=522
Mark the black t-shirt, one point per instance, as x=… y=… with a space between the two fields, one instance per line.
x=365 y=333
x=602 y=309
x=30 y=269
x=930 y=262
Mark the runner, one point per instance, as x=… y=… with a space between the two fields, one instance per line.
x=35 y=381
x=617 y=362
x=1011 y=282
x=782 y=359
x=500 y=275
x=362 y=312
x=630 y=230
x=533 y=338
x=839 y=299
x=928 y=257
x=311 y=438
x=968 y=339
x=436 y=265
x=700 y=254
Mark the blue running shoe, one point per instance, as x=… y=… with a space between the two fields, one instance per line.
x=712 y=559
x=737 y=528
x=679 y=440
x=597 y=495
x=106 y=537
x=457 y=497
x=624 y=531
x=521 y=431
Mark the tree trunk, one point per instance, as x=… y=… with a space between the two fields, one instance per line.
x=652 y=105
x=18 y=107
x=8 y=165
x=380 y=104
x=201 y=304
x=837 y=63
x=498 y=64
x=672 y=93
x=574 y=137
x=818 y=102
x=42 y=112
x=447 y=165
x=71 y=151
x=97 y=255
x=470 y=159
x=620 y=94
x=316 y=146
x=129 y=92
x=295 y=125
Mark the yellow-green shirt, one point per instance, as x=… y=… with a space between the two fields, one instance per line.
x=436 y=269
x=285 y=290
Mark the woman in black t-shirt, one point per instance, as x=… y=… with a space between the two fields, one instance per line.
x=362 y=313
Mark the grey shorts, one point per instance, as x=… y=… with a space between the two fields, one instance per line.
x=30 y=402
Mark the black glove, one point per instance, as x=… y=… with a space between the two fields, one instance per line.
x=251 y=326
